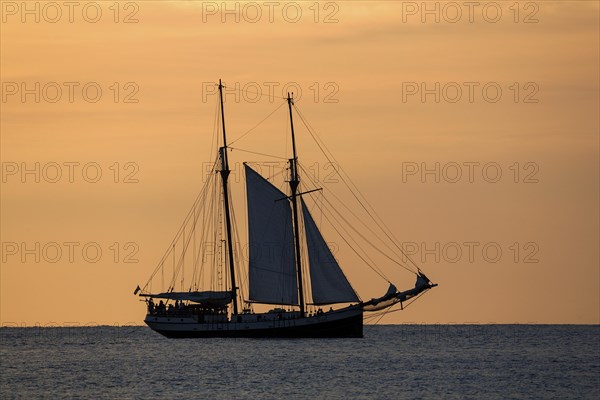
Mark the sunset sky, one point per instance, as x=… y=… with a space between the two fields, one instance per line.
x=505 y=87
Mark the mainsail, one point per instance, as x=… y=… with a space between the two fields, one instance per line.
x=328 y=282
x=272 y=269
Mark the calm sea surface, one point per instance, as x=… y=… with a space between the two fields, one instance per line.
x=391 y=362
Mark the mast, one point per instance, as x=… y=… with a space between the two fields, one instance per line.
x=225 y=175
x=294 y=182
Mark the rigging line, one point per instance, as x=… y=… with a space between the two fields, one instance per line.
x=238 y=263
x=337 y=211
x=367 y=240
x=338 y=168
x=201 y=196
x=372 y=212
x=352 y=187
x=306 y=282
x=369 y=262
x=185 y=243
x=244 y=275
x=385 y=311
x=415 y=299
x=262 y=94
x=198 y=250
x=220 y=253
x=194 y=265
x=258 y=93
x=163 y=259
x=383 y=314
x=240 y=252
x=257 y=125
x=199 y=263
x=275 y=175
x=404 y=306
x=215 y=135
x=183 y=261
x=203 y=235
x=171 y=283
x=255 y=152
x=305 y=261
x=213 y=218
x=343 y=204
x=214 y=221
x=206 y=214
x=271 y=177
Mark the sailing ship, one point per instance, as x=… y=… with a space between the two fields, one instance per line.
x=283 y=235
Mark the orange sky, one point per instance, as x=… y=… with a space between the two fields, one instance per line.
x=365 y=61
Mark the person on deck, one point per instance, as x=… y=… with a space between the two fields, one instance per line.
x=150 y=306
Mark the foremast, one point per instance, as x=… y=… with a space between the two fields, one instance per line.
x=294 y=183
x=224 y=177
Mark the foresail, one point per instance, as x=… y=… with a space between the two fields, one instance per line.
x=328 y=283
x=272 y=268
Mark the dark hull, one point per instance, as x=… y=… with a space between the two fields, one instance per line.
x=350 y=327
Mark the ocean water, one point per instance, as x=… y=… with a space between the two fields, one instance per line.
x=390 y=362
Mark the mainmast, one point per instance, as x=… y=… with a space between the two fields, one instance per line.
x=294 y=182
x=225 y=175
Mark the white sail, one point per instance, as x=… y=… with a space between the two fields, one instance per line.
x=328 y=282
x=272 y=268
